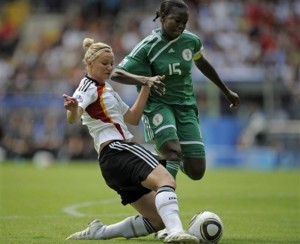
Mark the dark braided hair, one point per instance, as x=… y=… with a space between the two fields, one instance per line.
x=166 y=5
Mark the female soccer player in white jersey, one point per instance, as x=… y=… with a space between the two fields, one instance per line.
x=133 y=172
x=171 y=120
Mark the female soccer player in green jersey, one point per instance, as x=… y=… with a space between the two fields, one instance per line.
x=171 y=120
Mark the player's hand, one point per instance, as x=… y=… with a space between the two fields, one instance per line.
x=70 y=103
x=233 y=98
x=156 y=84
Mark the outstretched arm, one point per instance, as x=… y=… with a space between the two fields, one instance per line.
x=125 y=77
x=134 y=114
x=74 y=112
x=208 y=70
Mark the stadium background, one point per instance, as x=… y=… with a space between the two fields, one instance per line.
x=254 y=45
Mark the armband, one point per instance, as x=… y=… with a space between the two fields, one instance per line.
x=197 y=55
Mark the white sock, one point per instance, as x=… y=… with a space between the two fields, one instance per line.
x=134 y=226
x=167 y=207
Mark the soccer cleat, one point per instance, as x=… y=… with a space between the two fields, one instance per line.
x=161 y=234
x=89 y=233
x=181 y=238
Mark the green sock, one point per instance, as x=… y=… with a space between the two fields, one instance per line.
x=173 y=167
x=181 y=167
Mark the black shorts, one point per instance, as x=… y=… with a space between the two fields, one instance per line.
x=124 y=165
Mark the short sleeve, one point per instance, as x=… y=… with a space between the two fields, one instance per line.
x=85 y=97
x=197 y=55
x=136 y=63
x=198 y=49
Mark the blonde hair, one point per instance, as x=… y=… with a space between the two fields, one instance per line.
x=94 y=49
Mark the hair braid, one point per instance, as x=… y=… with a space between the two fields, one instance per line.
x=167 y=5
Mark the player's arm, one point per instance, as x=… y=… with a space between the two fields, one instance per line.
x=209 y=71
x=134 y=114
x=74 y=111
x=125 y=77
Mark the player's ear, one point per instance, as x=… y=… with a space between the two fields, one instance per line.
x=89 y=63
x=162 y=17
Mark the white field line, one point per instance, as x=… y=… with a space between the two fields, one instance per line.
x=73 y=212
x=74 y=209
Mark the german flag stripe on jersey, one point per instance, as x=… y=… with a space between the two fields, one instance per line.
x=97 y=110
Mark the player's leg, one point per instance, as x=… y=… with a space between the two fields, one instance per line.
x=160 y=209
x=133 y=226
x=166 y=203
x=125 y=168
x=192 y=146
x=149 y=219
x=194 y=168
x=134 y=172
x=147 y=222
x=160 y=125
x=171 y=151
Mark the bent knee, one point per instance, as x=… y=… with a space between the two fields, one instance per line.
x=195 y=170
x=196 y=175
x=168 y=180
x=171 y=151
x=172 y=155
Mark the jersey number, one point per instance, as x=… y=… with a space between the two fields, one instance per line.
x=173 y=69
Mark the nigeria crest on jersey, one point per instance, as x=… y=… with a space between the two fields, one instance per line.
x=187 y=55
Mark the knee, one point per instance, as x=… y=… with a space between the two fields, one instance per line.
x=173 y=156
x=171 y=152
x=167 y=180
x=161 y=177
x=196 y=175
x=196 y=170
x=171 y=182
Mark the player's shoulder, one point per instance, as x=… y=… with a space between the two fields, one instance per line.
x=146 y=44
x=108 y=86
x=190 y=35
x=191 y=39
x=152 y=38
x=86 y=84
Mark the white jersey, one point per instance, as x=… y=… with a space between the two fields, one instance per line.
x=103 y=112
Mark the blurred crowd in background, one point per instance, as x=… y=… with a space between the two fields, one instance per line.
x=249 y=42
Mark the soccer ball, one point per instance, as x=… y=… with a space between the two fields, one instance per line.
x=207 y=226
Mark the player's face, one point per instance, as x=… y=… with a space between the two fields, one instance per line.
x=174 y=23
x=100 y=69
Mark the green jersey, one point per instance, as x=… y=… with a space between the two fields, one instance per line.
x=156 y=56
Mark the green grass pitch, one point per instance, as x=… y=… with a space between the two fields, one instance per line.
x=46 y=205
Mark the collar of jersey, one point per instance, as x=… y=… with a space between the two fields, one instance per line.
x=158 y=32
x=96 y=82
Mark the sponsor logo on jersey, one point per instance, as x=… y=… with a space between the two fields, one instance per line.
x=187 y=54
x=79 y=98
x=171 y=50
x=157 y=119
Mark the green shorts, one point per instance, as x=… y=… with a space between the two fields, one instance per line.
x=164 y=122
